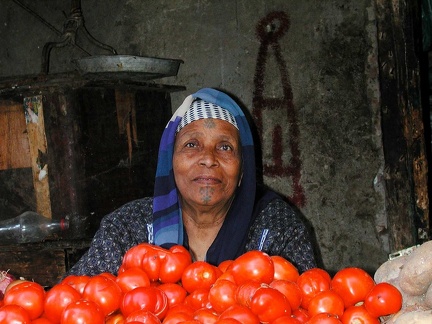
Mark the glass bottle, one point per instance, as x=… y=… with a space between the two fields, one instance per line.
x=30 y=227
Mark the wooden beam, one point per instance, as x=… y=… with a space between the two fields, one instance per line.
x=405 y=175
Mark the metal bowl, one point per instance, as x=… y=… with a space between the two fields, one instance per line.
x=127 y=67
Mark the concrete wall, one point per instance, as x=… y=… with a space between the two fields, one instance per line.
x=325 y=58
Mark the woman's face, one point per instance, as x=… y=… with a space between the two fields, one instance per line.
x=207 y=162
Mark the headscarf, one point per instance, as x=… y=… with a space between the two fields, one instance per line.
x=167 y=219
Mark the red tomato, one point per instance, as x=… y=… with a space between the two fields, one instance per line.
x=174 y=263
x=14 y=314
x=358 y=314
x=327 y=301
x=286 y=320
x=78 y=282
x=199 y=274
x=311 y=282
x=181 y=308
x=222 y=295
x=301 y=315
x=82 y=311
x=283 y=269
x=131 y=278
x=134 y=256
x=42 y=320
x=224 y=265
x=383 y=299
x=104 y=292
x=291 y=291
x=206 y=316
x=142 y=316
x=29 y=295
x=352 y=284
x=228 y=321
x=241 y=313
x=324 y=318
x=269 y=304
x=175 y=293
x=56 y=300
x=253 y=265
x=198 y=299
x=246 y=291
x=150 y=299
x=227 y=275
x=116 y=318
x=176 y=318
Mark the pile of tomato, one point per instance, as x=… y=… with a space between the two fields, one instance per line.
x=156 y=285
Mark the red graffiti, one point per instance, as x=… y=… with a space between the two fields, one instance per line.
x=269 y=30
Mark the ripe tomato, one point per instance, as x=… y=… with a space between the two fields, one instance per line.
x=198 y=299
x=77 y=282
x=222 y=295
x=13 y=314
x=301 y=315
x=145 y=298
x=174 y=263
x=176 y=318
x=181 y=308
x=205 y=315
x=131 y=278
x=311 y=282
x=358 y=314
x=352 y=284
x=253 y=265
x=142 y=316
x=224 y=265
x=104 y=292
x=42 y=320
x=246 y=291
x=134 y=256
x=324 y=318
x=82 y=311
x=199 y=274
x=383 y=299
x=241 y=313
x=29 y=295
x=228 y=321
x=291 y=291
x=56 y=300
x=283 y=269
x=269 y=304
x=327 y=301
x=115 y=318
x=174 y=292
x=286 y=320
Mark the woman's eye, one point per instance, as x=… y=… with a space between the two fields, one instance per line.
x=190 y=144
x=226 y=147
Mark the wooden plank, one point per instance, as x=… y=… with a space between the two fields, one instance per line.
x=14 y=144
x=407 y=204
x=38 y=151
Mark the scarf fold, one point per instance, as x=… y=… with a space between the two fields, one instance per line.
x=167 y=218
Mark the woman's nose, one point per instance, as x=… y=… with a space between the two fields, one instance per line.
x=208 y=158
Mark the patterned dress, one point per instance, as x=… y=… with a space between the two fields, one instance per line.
x=277 y=230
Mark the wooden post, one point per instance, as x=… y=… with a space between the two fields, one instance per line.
x=405 y=173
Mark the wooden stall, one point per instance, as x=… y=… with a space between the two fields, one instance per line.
x=74 y=148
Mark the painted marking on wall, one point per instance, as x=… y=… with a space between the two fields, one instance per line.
x=270 y=30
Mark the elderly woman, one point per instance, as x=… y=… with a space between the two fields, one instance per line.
x=205 y=196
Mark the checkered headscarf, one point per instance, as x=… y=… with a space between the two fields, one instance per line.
x=200 y=109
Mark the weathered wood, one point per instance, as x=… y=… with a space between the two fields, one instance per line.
x=407 y=202
x=38 y=152
x=45 y=263
x=14 y=144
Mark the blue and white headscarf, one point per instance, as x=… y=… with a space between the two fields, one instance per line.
x=167 y=219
